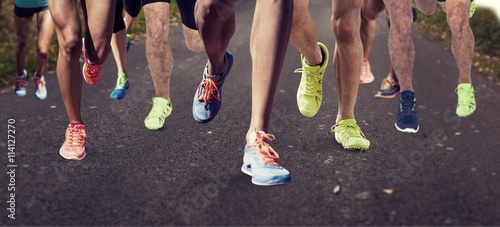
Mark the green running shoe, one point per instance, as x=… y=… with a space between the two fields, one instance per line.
x=466 y=100
x=161 y=110
x=121 y=87
x=348 y=133
x=310 y=92
x=472 y=8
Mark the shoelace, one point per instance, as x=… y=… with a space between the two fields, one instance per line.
x=92 y=70
x=407 y=106
x=268 y=154
x=39 y=84
x=80 y=134
x=311 y=80
x=466 y=97
x=210 y=91
x=352 y=130
x=20 y=83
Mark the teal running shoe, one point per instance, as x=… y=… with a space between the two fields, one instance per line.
x=259 y=162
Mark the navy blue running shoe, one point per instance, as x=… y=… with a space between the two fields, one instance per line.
x=407 y=120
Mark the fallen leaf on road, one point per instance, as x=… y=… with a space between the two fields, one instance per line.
x=440 y=145
x=93 y=107
x=388 y=191
x=53 y=107
x=329 y=160
x=362 y=195
x=450 y=149
x=458 y=133
x=336 y=190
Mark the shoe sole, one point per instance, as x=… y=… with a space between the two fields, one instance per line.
x=464 y=116
x=154 y=129
x=409 y=130
x=73 y=158
x=356 y=148
x=353 y=147
x=259 y=183
x=40 y=98
x=379 y=96
x=367 y=81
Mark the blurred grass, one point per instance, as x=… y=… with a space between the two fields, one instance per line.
x=8 y=39
x=486 y=28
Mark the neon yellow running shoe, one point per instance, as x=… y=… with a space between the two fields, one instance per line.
x=161 y=110
x=466 y=100
x=472 y=8
x=310 y=92
x=348 y=133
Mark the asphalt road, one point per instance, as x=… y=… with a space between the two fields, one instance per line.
x=188 y=174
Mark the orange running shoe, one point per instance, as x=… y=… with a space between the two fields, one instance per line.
x=91 y=72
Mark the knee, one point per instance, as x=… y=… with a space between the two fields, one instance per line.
x=215 y=10
x=71 y=44
x=457 y=23
x=428 y=9
x=344 y=30
x=21 y=43
x=42 y=53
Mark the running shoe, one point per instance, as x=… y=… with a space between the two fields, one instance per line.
x=414 y=14
x=407 y=120
x=388 y=89
x=350 y=136
x=208 y=96
x=41 y=90
x=413 y=11
x=73 y=147
x=162 y=108
x=128 y=41
x=310 y=92
x=121 y=87
x=259 y=161
x=466 y=100
x=91 y=72
x=472 y=8
x=20 y=86
x=366 y=73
